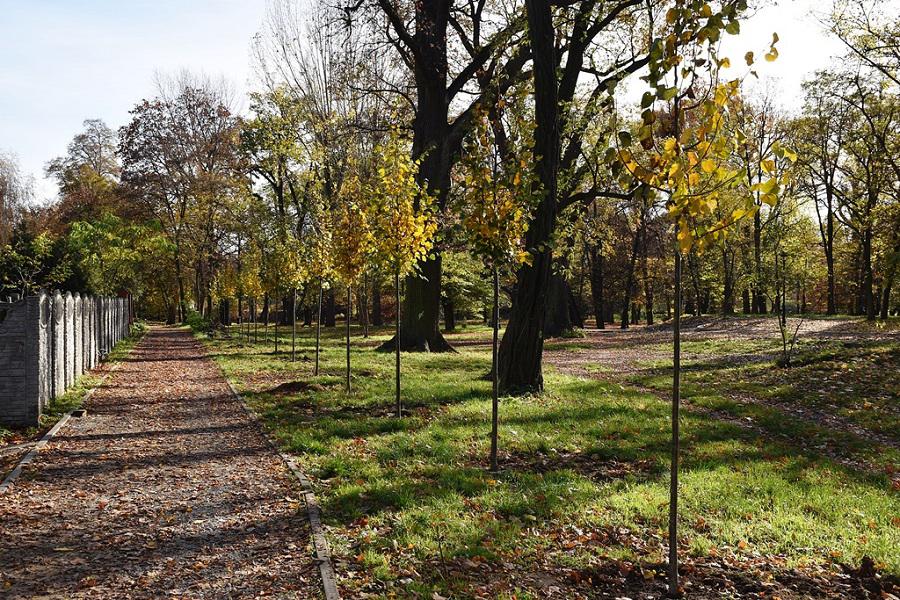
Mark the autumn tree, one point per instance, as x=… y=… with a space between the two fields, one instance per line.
x=351 y=241
x=180 y=163
x=686 y=157
x=495 y=203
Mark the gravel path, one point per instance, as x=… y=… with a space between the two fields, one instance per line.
x=165 y=488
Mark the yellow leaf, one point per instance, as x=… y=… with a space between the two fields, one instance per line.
x=749 y=58
x=708 y=165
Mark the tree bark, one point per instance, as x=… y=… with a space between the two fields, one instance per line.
x=495 y=382
x=449 y=315
x=558 y=317
x=597 y=286
x=330 y=310
x=377 y=316
x=519 y=358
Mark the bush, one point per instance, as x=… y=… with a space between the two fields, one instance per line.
x=198 y=323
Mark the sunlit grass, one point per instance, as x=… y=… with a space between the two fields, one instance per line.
x=406 y=498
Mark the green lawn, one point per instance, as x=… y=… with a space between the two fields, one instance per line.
x=858 y=381
x=410 y=507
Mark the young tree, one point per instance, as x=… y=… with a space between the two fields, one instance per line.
x=686 y=158
x=402 y=224
x=352 y=242
x=496 y=201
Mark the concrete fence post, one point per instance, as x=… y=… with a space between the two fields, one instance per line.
x=77 y=336
x=58 y=345
x=70 y=340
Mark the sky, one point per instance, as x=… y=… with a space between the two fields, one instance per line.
x=64 y=61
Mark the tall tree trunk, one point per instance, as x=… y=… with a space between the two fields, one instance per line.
x=728 y=286
x=597 y=286
x=629 y=274
x=520 y=351
x=330 y=309
x=363 y=305
x=449 y=315
x=377 y=316
x=648 y=287
x=318 y=329
x=397 y=347
x=759 y=302
x=294 y=327
x=495 y=381
x=558 y=316
x=347 y=320
x=867 y=274
x=829 y=255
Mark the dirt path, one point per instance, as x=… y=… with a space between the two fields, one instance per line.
x=165 y=488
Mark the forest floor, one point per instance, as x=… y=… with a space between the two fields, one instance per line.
x=166 y=487
x=774 y=503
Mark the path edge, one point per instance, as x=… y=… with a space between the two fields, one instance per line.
x=13 y=475
x=313 y=510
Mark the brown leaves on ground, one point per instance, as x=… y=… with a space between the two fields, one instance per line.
x=165 y=488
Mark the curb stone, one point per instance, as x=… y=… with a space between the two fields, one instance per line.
x=314 y=512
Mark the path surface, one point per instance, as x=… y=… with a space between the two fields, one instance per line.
x=165 y=489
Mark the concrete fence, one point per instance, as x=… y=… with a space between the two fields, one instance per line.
x=47 y=341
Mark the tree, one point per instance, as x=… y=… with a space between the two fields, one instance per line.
x=820 y=137
x=686 y=159
x=496 y=202
x=578 y=27
x=180 y=162
x=402 y=225
x=352 y=242
x=16 y=192
x=117 y=255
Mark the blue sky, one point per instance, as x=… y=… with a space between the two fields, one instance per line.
x=64 y=61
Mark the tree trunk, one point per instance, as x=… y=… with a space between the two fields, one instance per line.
x=377 y=316
x=519 y=357
x=266 y=318
x=867 y=270
x=421 y=312
x=629 y=275
x=363 y=305
x=397 y=347
x=318 y=329
x=728 y=286
x=449 y=315
x=597 y=286
x=294 y=327
x=347 y=320
x=495 y=382
x=759 y=301
x=648 y=286
x=557 y=320
x=330 y=310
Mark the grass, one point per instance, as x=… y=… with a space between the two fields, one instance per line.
x=855 y=380
x=410 y=507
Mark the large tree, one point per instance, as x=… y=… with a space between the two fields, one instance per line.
x=180 y=162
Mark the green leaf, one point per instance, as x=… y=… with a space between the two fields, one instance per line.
x=624 y=139
x=667 y=94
